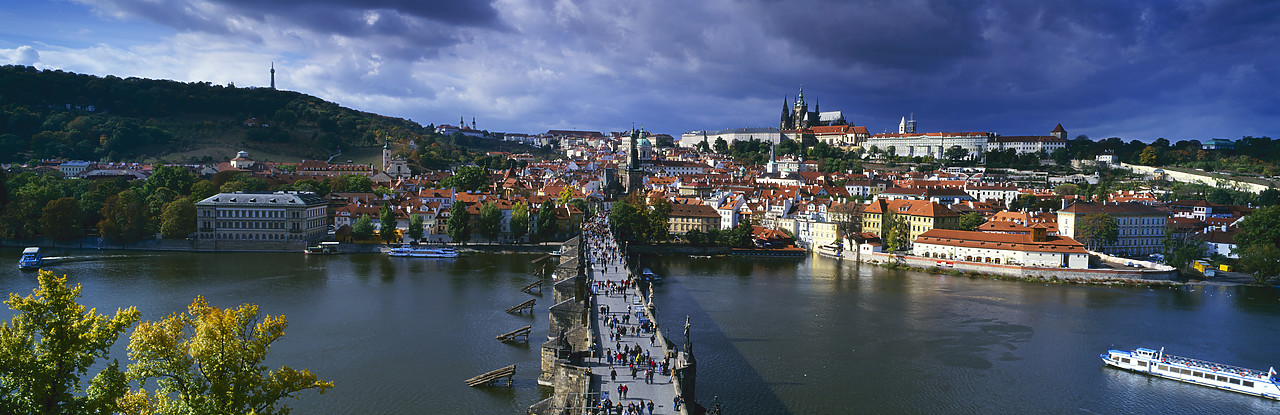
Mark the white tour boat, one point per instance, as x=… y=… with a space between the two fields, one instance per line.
x=1215 y=375
x=31 y=258
x=423 y=252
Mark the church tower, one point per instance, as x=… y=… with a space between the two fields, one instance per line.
x=273 y=75
x=800 y=112
x=907 y=126
x=1059 y=132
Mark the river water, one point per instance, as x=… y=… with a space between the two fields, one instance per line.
x=808 y=336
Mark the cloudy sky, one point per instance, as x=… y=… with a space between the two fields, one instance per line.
x=1137 y=69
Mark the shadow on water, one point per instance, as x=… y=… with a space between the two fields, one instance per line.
x=716 y=372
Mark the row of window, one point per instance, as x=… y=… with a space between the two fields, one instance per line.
x=1207 y=375
x=252 y=236
x=250 y=213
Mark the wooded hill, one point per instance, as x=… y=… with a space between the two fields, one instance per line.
x=53 y=113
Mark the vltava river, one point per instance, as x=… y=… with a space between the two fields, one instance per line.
x=807 y=336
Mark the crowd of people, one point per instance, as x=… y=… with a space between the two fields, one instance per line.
x=626 y=330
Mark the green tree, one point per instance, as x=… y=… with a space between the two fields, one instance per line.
x=202 y=190
x=178 y=179
x=386 y=224
x=546 y=220
x=467 y=178
x=459 y=224
x=739 y=236
x=628 y=222
x=58 y=219
x=971 y=221
x=566 y=194
x=721 y=146
x=124 y=218
x=356 y=183
x=1098 y=230
x=1258 y=240
x=178 y=219
x=489 y=222
x=212 y=361
x=519 y=219
x=415 y=227
x=48 y=348
x=657 y=218
x=1066 y=189
x=955 y=153
x=1180 y=249
x=896 y=234
x=363 y=228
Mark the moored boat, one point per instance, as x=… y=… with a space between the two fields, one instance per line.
x=648 y=275
x=325 y=248
x=832 y=250
x=31 y=258
x=1200 y=372
x=423 y=252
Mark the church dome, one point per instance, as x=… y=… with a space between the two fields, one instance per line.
x=644 y=142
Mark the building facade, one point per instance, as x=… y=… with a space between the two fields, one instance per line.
x=1031 y=250
x=1140 y=227
x=261 y=221
x=920 y=216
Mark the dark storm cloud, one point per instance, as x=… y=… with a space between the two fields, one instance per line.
x=1102 y=67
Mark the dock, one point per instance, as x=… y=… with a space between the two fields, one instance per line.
x=515 y=335
x=529 y=288
x=520 y=308
x=493 y=376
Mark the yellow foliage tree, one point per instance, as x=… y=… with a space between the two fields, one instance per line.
x=210 y=361
x=49 y=346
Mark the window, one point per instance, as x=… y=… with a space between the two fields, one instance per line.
x=1248 y=384
x=1234 y=381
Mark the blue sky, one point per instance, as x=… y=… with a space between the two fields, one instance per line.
x=1134 y=69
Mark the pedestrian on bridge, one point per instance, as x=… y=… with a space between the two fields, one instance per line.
x=613 y=373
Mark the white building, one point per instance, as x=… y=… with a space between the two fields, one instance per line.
x=929 y=144
x=1036 y=250
x=693 y=138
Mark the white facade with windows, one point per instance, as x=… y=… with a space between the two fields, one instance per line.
x=266 y=220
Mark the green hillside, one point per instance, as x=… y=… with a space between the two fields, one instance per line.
x=57 y=114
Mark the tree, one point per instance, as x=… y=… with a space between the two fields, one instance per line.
x=1148 y=156
x=1258 y=240
x=363 y=228
x=489 y=223
x=356 y=183
x=178 y=219
x=546 y=219
x=955 y=153
x=48 y=348
x=203 y=189
x=721 y=146
x=212 y=361
x=1066 y=189
x=566 y=194
x=895 y=231
x=1269 y=197
x=519 y=219
x=1098 y=230
x=971 y=221
x=628 y=222
x=739 y=236
x=657 y=216
x=178 y=179
x=386 y=224
x=1180 y=249
x=59 y=217
x=124 y=217
x=467 y=178
x=459 y=225
x=415 y=227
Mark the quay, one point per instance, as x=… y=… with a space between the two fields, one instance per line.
x=601 y=307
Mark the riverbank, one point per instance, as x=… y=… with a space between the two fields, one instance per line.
x=189 y=245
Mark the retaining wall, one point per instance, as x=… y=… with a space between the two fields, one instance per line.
x=1020 y=271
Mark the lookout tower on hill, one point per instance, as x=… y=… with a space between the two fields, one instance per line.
x=273 y=75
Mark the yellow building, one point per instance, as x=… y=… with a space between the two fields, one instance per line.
x=685 y=218
x=919 y=215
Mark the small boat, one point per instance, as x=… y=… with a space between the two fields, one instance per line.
x=648 y=275
x=834 y=250
x=1200 y=372
x=31 y=258
x=325 y=248
x=423 y=252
